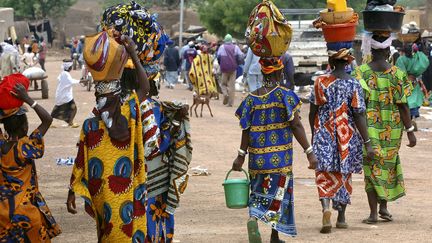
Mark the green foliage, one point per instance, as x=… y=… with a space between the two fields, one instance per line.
x=412 y=3
x=37 y=9
x=231 y=16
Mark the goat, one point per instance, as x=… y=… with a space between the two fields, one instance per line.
x=201 y=100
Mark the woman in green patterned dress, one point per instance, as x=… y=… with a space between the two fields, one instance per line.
x=387 y=90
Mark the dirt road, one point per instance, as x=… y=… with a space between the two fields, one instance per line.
x=203 y=216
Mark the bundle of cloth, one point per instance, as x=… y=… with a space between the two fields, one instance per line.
x=8 y=102
x=380 y=5
x=137 y=22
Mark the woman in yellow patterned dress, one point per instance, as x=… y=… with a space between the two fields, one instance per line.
x=387 y=91
x=109 y=171
x=24 y=214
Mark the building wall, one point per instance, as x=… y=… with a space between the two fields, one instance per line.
x=7 y=21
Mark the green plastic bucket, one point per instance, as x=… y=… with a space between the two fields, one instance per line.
x=236 y=191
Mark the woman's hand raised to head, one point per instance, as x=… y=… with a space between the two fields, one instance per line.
x=129 y=44
x=20 y=93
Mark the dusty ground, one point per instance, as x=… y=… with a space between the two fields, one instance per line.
x=203 y=216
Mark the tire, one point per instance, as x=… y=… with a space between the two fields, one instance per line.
x=89 y=83
x=45 y=89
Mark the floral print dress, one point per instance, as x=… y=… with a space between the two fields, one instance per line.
x=267 y=118
x=24 y=214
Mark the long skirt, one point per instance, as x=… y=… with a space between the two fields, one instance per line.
x=65 y=112
x=272 y=201
x=335 y=186
x=386 y=178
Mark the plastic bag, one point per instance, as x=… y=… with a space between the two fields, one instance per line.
x=371 y=4
x=421 y=63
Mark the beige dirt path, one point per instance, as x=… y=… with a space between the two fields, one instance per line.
x=203 y=216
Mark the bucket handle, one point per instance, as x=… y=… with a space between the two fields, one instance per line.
x=229 y=172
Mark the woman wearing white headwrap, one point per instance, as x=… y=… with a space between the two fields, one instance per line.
x=65 y=108
x=386 y=94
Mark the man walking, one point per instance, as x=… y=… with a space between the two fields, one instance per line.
x=252 y=71
x=42 y=53
x=189 y=56
x=172 y=64
x=229 y=57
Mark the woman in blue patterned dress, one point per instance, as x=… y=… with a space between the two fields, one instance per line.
x=338 y=124
x=269 y=118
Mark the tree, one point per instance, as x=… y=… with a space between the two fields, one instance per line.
x=37 y=9
x=231 y=16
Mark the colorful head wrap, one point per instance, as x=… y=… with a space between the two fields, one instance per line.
x=270 y=65
x=342 y=54
x=136 y=21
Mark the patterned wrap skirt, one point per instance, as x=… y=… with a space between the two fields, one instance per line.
x=335 y=186
x=272 y=201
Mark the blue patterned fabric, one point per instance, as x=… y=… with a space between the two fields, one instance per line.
x=336 y=46
x=336 y=141
x=267 y=117
x=265 y=205
x=160 y=224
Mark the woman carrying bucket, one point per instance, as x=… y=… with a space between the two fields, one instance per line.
x=269 y=118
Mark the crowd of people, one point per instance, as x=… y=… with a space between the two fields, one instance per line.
x=134 y=150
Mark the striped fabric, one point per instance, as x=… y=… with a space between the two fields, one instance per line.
x=168 y=171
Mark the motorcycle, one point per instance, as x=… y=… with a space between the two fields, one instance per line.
x=76 y=62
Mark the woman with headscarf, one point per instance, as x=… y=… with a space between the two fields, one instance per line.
x=24 y=214
x=269 y=117
x=338 y=124
x=201 y=73
x=109 y=171
x=386 y=94
x=414 y=63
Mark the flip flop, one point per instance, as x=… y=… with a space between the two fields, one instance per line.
x=253 y=232
x=280 y=241
x=341 y=225
x=386 y=217
x=369 y=221
x=326 y=222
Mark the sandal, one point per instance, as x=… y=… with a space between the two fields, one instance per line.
x=341 y=225
x=386 y=217
x=326 y=222
x=253 y=232
x=369 y=221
